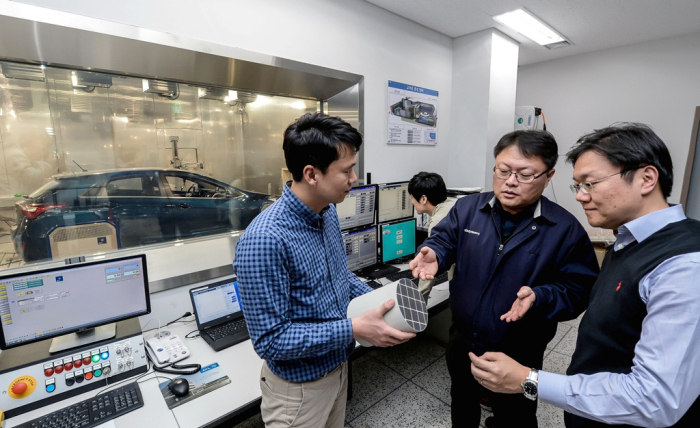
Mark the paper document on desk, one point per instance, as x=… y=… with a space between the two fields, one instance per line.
x=206 y=380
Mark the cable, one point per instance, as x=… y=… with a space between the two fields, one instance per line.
x=544 y=122
x=187 y=336
x=149 y=321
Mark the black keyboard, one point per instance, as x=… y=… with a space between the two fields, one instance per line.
x=229 y=329
x=374 y=284
x=93 y=411
x=399 y=275
x=408 y=274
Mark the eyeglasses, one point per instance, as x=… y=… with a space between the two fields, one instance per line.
x=587 y=186
x=504 y=174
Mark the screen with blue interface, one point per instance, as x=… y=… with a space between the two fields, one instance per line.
x=398 y=240
x=358 y=207
x=361 y=248
x=53 y=302
x=394 y=202
x=211 y=303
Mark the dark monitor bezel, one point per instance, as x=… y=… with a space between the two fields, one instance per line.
x=4 y=276
x=375 y=214
x=413 y=209
x=221 y=320
x=362 y=229
x=381 y=235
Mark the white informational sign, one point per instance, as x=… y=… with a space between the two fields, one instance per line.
x=412 y=115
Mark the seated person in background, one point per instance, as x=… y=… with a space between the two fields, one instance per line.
x=429 y=196
x=295 y=285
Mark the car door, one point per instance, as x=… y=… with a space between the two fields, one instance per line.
x=140 y=210
x=200 y=205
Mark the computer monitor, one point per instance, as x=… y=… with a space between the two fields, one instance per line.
x=394 y=202
x=361 y=248
x=358 y=208
x=78 y=302
x=398 y=240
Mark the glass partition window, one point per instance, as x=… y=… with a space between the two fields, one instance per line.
x=86 y=154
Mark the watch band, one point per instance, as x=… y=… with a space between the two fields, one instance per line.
x=530 y=384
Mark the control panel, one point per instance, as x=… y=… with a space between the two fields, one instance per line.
x=76 y=372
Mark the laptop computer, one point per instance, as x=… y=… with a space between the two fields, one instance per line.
x=218 y=312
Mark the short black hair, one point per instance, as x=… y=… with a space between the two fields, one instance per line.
x=317 y=139
x=429 y=184
x=629 y=146
x=531 y=144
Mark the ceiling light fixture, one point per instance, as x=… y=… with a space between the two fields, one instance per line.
x=526 y=24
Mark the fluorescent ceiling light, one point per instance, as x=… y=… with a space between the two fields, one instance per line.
x=524 y=23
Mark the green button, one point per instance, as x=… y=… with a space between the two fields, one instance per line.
x=98 y=373
x=96 y=358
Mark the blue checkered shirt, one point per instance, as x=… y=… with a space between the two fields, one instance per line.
x=295 y=288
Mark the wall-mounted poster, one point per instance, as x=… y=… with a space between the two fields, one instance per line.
x=412 y=114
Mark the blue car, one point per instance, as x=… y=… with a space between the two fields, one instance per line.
x=145 y=206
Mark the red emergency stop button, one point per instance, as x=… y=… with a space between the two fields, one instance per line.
x=19 y=388
x=48 y=372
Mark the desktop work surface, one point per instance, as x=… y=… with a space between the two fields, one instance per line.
x=227 y=403
x=240 y=363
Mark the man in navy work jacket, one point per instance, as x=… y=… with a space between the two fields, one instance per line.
x=636 y=359
x=295 y=286
x=523 y=264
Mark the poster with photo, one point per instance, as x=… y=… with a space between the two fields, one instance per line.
x=412 y=115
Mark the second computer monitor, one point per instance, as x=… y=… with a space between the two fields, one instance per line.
x=358 y=207
x=398 y=240
x=361 y=248
x=394 y=202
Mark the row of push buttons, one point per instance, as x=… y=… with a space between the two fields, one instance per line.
x=76 y=361
x=80 y=375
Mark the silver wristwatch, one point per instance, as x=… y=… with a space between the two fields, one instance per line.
x=530 y=385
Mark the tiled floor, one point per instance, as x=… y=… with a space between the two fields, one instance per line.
x=408 y=386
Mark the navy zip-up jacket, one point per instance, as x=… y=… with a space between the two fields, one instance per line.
x=551 y=253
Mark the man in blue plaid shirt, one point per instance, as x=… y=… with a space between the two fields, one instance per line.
x=295 y=286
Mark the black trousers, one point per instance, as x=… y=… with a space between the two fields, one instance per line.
x=509 y=410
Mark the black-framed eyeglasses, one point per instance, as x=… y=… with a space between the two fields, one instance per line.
x=504 y=174
x=587 y=186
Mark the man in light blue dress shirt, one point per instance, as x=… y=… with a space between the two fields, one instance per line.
x=636 y=360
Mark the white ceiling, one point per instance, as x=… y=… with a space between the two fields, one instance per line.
x=590 y=25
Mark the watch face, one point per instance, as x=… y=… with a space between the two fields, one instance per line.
x=530 y=388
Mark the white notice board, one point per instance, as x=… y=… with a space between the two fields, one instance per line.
x=412 y=115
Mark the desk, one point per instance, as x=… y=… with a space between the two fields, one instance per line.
x=228 y=403
x=239 y=362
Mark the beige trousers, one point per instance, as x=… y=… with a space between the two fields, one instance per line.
x=319 y=403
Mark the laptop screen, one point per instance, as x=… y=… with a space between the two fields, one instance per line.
x=214 y=302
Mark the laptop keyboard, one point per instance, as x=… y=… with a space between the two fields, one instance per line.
x=229 y=329
x=408 y=274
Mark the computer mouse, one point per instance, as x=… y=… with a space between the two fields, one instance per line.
x=180 y=387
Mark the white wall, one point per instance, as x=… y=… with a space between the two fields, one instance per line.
x=656 y=83
x=484 y=75
x=350 y=35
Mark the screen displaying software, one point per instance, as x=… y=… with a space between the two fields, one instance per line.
x=361 y=248
x=54 y=302
x=216 y=302
x=398 y=240
x=358 y=207
x=394 y=202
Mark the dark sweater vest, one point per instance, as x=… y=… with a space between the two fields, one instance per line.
x=612 y=324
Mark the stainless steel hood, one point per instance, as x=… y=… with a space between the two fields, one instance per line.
x=39 y=43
